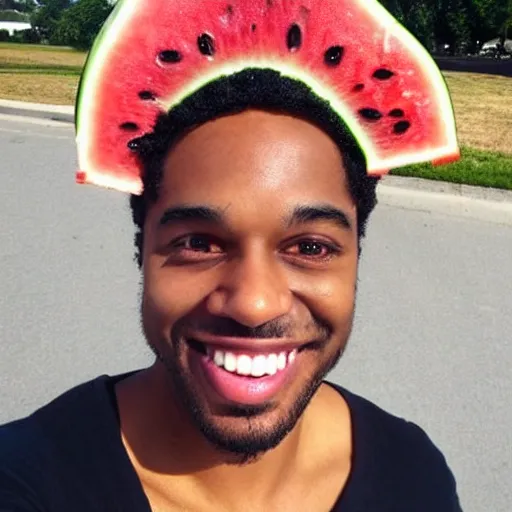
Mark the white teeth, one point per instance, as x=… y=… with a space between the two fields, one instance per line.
x=256 y=366
x=218 y=358
x=259 y=366
x=244 y=365
x=272 y=364
x=230 y=362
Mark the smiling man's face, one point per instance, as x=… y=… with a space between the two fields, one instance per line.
x=250 y=265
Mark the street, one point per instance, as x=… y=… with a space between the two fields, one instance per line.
x=432 y=340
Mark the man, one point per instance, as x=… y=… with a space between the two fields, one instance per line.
x=249 y=236
x=239 y=279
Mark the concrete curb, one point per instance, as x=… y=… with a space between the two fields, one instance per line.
x=488 y=205
x=61 y=113
x=485 y=204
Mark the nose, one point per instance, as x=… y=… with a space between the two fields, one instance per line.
x=253 y=291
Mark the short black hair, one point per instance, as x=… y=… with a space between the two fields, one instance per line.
x=261 y=89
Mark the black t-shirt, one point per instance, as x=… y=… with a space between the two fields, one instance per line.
x=69 y=457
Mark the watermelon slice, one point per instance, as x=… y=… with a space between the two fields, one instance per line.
x=152 y=54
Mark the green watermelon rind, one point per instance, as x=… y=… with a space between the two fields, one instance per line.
x=101 y=46
x=122 y=15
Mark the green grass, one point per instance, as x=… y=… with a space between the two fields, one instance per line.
x=36 y=47
x=46 y=72
x=45 y=69
x=476 y=167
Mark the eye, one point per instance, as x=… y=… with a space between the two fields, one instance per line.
x=196 y=244
x=313 y=249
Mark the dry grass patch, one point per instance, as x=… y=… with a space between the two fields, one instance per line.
x=483 y=108
x=33 y=56
x=53 y=89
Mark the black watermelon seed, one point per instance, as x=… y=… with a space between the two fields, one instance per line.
x=383 y=74
x=253 y=27
x=401 y=127
x=229 y=10
x=294 y=38
x=333 y=56
x=206 y=45
x=358 y=87
x=129 y=127
x=170 y=56
x=133 y=145
x=370 y=114
x=270 y=3
x=147 y=95
x=397 y=112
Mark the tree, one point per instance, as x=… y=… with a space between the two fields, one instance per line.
x=26 y=5
x=416 y=15
x=80 y=24
x=46 y=17
x=451 y=24
x=507 y=25
x=506 y=13
x=11 y=15
x=488 y=18
x=457 y=23
x=17 y=5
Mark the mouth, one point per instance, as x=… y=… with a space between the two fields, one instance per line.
x=243 y=375
x=243 y=362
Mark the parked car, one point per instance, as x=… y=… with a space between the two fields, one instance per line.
x=495 y=48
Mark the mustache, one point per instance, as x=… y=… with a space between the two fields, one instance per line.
x=316 y=329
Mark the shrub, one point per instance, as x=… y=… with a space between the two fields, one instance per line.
x=29 y=36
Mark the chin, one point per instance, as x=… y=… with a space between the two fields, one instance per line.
x=244 y=431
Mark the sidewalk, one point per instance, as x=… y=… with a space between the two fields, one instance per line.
x=485 y=204
x=478 y=203
x=62 y=113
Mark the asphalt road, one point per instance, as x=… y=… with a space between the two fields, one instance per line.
x=432 y=340
x=487 y=66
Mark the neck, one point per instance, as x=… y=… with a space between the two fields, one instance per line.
x=162 y=447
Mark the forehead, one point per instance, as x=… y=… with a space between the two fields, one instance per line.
x=255 y=161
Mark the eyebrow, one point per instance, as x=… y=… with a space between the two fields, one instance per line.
x=322 y=212
x=192 y=213
x=300 y=215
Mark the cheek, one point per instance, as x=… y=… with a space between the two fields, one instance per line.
x=171 y=294
x=336 y=303
x=330 y=296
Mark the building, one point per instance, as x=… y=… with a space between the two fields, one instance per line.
x=12 y=26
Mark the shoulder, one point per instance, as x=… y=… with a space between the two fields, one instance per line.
x=33 y=449
x=397 y=452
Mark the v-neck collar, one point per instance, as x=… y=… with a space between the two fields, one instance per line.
x=134 y=490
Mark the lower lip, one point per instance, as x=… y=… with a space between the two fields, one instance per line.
x=240 y=389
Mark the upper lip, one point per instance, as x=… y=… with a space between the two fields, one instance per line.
x=248 y=345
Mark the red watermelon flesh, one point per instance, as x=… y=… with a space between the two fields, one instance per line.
x=153 y=53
